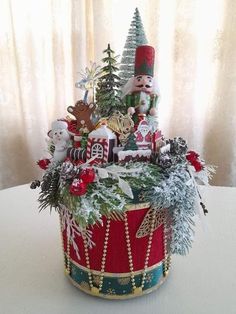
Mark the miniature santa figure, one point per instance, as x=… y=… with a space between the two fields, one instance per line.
x=141 y=92
x=143 y=135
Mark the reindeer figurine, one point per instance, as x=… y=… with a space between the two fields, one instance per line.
x=82 y=112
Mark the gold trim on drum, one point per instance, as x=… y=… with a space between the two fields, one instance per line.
x=117 y=297
x=131 y=207
x=97 y=272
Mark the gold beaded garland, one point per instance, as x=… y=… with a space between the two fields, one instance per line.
x=138 y=290
x=93 y=289
x=66 y=259
x=167 y=258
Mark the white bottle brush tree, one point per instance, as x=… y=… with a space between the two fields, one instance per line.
x=136 y=37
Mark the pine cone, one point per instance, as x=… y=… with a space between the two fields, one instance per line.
x=68 y=171
x=46 y=182
x=164 y=161
x=35 y=184
x=178 y=146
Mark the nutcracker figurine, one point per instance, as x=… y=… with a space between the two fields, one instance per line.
x=141 y=92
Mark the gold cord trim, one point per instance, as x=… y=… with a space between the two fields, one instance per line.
x=107 y=274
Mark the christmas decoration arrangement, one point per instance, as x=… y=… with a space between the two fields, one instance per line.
x=126 y=196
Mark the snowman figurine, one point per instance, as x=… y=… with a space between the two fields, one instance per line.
x=141 y=92
x=60 y=138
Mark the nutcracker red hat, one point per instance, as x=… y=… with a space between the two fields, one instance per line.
x=144 y=60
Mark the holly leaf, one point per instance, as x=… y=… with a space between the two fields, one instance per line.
x=102 y=173
x=125 y=187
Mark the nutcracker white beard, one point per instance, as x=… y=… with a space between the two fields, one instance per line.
x=143 y=106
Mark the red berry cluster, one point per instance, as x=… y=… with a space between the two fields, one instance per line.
x=79 y=186
x=43 y=163
x=194 y=160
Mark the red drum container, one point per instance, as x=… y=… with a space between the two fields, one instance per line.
x=129 y=258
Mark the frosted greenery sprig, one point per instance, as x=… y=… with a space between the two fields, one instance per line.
x=176 y=192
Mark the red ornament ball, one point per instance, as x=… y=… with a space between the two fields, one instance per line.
x=43 y=163
x=78 y=188
x=87 y=175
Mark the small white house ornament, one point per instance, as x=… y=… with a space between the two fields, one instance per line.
x=100 y=143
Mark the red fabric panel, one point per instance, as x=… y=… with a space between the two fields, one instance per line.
x=117 y=257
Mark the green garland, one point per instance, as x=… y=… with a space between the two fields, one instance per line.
x=102 y=198
x=173 y=188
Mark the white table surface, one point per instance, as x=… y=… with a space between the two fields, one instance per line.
x=31 y=264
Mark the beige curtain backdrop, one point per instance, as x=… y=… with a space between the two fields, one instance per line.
x=45 y=44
